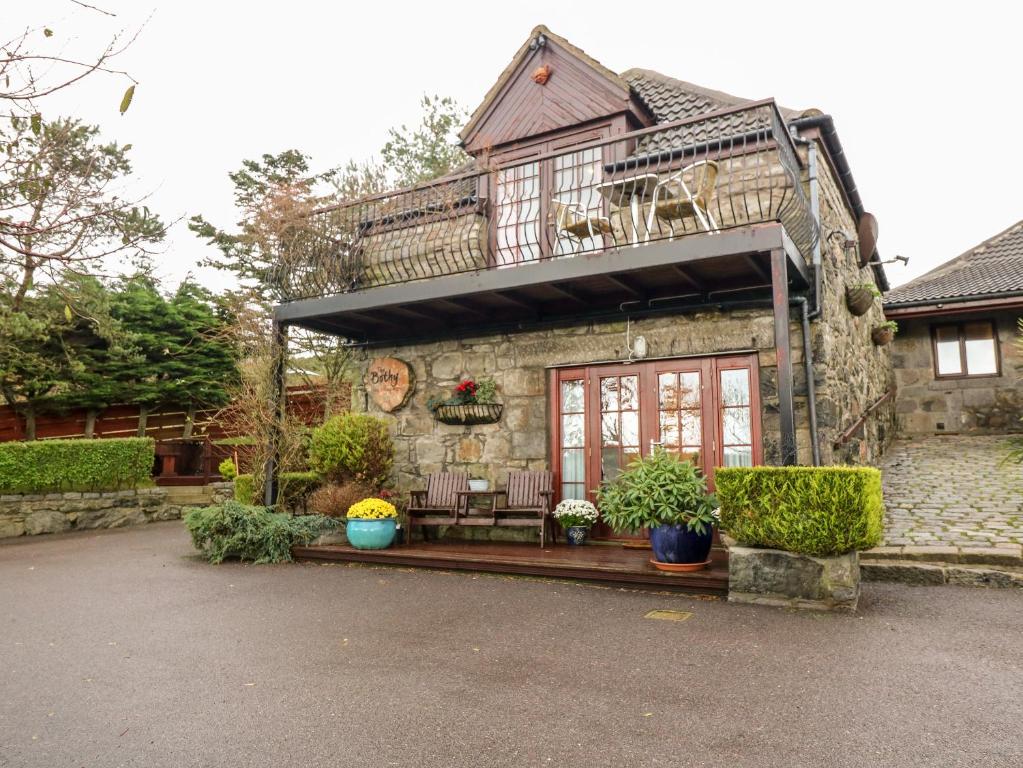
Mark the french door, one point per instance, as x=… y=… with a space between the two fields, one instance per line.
x=704 y=409
x=525 y=189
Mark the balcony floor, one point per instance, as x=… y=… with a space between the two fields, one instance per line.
x=697 y=269
x=610 y=564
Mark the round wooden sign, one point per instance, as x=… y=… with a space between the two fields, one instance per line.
x=390 y=382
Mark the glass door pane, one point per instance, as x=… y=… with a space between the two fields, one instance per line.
x=619 y=423
x=573 y=433
x=576 y=177
x=517 y=216
x=679 y=411
x=735 y=401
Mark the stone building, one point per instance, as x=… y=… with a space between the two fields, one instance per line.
x=958 y=362
x=634 y=260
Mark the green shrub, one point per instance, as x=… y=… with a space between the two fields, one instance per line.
x=293 y=490
x=659 y=489
x=43 y=466
x=353 y=446
x=245 y=489
x=811 y=510
x=227 y=469
x=252 y=533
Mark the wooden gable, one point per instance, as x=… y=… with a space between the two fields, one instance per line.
x=550 y=85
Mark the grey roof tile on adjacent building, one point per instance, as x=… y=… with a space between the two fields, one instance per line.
x=994 y=267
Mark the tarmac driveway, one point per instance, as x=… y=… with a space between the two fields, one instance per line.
x=122 y=649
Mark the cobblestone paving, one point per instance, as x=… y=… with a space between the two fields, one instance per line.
x=952 y=491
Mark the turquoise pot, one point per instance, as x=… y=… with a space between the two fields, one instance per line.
x=370 y=534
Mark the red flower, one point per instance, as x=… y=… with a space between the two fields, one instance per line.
x=466 y=387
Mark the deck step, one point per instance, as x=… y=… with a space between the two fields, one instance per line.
x=612 y=565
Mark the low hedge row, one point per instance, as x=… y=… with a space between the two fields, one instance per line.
x=46 y=466
x=295 y=488
x=817 y=511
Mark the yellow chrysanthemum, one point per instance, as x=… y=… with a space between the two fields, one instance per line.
x=372 y=509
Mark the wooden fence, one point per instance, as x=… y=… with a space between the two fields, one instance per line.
x=179 y=460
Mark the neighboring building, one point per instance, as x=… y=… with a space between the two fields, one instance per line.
x=567 y=239
x=958 y=362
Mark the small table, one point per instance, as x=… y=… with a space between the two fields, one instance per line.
x=481 y=517
x=639 y=190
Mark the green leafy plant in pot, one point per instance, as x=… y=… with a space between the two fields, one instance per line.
x=669 y=497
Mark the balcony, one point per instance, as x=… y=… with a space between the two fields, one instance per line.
x=666 y=217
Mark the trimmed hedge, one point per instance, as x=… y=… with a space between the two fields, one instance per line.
x=817 y=511
x=46 y=466
x=295 y=489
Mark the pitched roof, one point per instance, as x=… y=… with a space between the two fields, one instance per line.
x=612 y=77
x=994 y=267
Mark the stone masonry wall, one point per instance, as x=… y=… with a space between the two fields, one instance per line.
x=30 y=514
x=987 y=405
x=851 y=373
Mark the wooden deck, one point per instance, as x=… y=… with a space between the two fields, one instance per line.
x=603 y=563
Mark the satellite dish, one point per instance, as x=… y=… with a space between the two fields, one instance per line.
x=866 y=232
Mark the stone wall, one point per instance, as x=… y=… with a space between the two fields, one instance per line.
x=926 y=405
x=851 y=373
x=30 y=514
x=518 y=364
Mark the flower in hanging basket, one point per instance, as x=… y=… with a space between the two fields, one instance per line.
x=466 y=391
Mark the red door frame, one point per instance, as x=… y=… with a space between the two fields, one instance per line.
x=710 y=369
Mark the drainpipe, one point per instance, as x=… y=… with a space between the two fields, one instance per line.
x=815 y=211
x=811 y=387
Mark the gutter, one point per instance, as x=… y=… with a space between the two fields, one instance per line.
x=829 y=136
x=938 y=303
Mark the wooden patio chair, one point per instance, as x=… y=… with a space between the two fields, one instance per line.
x=673 y=198
x=573 y=220
x=438 y=504
x=527 y=502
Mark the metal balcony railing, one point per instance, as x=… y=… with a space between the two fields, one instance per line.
x=718 y=171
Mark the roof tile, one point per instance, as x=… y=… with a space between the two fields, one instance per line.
x=993 y=267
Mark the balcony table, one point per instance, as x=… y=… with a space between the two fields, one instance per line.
x=639 y=190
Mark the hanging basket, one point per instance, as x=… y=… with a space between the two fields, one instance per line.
x=882 y=335
x=859 y=300
x=476 y=413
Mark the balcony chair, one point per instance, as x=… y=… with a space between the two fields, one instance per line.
x=673 y=199
x=573 y=220
x=527 y=502
x=438 y=504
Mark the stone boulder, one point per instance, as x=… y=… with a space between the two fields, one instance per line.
x=787 y=579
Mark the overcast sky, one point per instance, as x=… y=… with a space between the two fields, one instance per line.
x=918 y=94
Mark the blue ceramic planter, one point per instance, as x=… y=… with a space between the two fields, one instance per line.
x=577 y=534
x=677 y=544
x=370 y=534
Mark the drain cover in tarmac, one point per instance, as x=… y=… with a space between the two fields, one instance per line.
x=669 y=615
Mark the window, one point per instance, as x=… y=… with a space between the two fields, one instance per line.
x=528 y=186
x=517 y=217
x=966 y=349
x=572 y=405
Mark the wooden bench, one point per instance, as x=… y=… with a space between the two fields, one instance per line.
x=439 y=504
x=446 y=501
x=527 y=502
